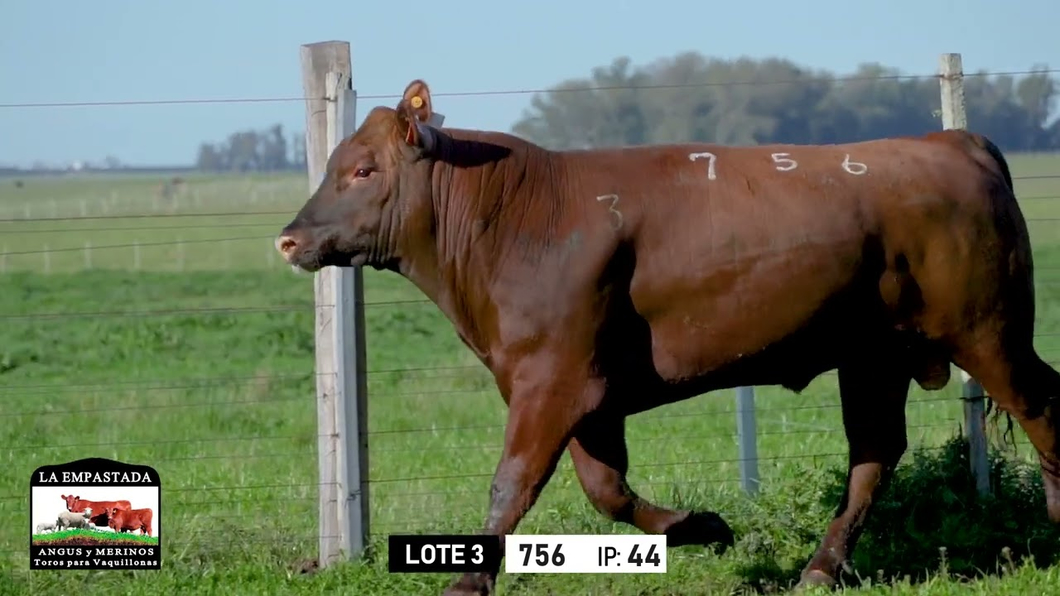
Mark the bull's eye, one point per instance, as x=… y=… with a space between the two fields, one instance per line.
x=362 y=173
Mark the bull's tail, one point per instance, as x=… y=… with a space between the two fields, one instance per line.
x=995 y=152
x=1023 y=250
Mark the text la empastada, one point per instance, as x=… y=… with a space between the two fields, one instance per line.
x=95 y=477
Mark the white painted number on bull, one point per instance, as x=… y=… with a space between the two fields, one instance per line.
x=784 y=162
x=613 y=208
x=853 y=167
x=711 y=158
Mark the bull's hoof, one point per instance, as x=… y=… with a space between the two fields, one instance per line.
x=704 y=528
x=815 y=578
x=471 y=584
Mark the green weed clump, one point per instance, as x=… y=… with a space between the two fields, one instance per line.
x=932 y=521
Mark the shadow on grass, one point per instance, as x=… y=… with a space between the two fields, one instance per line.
x=929 y=522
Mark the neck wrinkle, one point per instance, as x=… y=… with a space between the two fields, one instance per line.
x=459 y=226
x=468 y=204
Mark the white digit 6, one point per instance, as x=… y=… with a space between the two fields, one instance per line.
x=711 y=158
x=782 y=158
x=853 y=167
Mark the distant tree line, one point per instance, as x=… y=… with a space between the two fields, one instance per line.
x=690 y=97
x=269 y=150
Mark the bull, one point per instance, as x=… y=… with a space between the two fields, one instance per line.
x=598 y=284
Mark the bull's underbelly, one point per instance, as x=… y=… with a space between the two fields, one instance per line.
x=755 y=350
x=770 y=326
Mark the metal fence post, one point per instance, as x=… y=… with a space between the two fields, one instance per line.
x=747 y=438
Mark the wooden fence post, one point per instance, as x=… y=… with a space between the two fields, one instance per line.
x=340 y=346
x=951 y=80
x=747 y=439
x=351 y=380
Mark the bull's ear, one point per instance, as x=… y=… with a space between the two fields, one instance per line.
x=417 y=100
x=417 y=115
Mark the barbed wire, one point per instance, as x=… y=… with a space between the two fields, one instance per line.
x=140 y=407
x=156 y=442
x=288 y=212
x=199 y=311
x=181 y=490
x=163 y=312
x=154 y=229
x=139 y=245
x=196 y=381
x=244 y=214
x=525 y=91
x=145 y=228
x=435 y=393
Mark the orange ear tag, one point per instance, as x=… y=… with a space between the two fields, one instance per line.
x=417 y=102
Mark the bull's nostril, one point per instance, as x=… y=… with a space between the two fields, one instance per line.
x=285 y=244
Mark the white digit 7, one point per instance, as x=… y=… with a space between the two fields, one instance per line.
x=782 y=158
x=853 y=167
x=711 y=158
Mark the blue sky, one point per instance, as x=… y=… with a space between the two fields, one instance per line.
x=70 y=51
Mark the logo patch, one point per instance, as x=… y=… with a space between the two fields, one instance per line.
x=95 y=513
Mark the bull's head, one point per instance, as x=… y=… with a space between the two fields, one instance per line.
x=376 y=187
x=71 y=500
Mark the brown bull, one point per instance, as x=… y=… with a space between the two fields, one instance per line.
x=130 y=520
x=100 y=509
x=598 y=284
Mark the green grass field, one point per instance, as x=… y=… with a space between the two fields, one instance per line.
x=65 y=536
x=181 y=341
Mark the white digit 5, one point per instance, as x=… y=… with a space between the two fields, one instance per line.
x=784 y=163
x=853 y=167
x=711 y=158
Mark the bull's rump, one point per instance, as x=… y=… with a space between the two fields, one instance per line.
x=757 y=257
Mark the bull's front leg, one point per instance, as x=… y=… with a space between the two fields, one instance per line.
x=542 y=413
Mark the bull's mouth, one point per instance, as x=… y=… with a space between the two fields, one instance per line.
x=314 y=257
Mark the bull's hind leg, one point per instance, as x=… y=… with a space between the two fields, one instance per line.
x=1025 y=387
x=873 y=401
x=598 y=450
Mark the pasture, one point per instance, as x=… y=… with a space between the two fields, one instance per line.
x=94 y=537
x=180 y=341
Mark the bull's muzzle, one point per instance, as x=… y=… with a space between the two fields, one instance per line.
x=286 y=245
